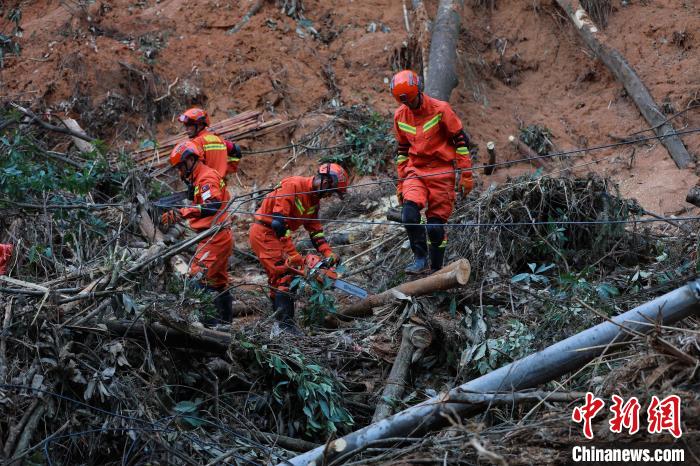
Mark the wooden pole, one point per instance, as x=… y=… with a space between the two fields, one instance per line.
x=623 y=72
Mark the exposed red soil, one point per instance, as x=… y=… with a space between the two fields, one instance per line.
x=520 y=65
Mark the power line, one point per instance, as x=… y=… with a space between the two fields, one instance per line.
x=497 y=224
x=572 y=152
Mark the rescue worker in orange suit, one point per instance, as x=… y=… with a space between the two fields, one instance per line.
x=219 y=154
x=271 y=233
x=432 y=151
x=209 y=201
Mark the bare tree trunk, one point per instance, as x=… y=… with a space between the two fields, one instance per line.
x=624 y=73
x=526 y=151
x=441 y=76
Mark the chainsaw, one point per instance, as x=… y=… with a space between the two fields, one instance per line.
x=315 y=267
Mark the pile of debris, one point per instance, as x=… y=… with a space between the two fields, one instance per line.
x=99 y=362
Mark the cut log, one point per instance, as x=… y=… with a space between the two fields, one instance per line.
x=457 y=275
x=552 y=362
x=441 y=76
x=625 y=74
x=412 y=338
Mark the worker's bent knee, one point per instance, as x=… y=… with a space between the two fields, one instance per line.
x=410 y=212
x=436 y=230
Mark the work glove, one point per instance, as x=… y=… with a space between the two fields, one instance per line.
x=399 y=192
x=233 y=150
x=332 y=259
x=466 y=183
x=170 y=218
x=295 y=261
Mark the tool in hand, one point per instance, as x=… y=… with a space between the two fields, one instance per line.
x=315 y=267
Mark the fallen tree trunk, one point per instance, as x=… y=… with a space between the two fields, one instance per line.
x=200 y=338
x=455 y=275
x=526 y=151
x=624 y=73
x=552 y=362
x=413 y=337
x=441 y=76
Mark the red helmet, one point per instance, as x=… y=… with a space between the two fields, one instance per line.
x=338 y=175
x=405 y=86
x=184 y=150
x=194 y=116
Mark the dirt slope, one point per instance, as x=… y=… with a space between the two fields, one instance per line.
x=521 y=65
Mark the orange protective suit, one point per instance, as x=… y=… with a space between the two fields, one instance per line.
x=292 y=198
x=210 y=199
x=426 y=147
x=216 y=153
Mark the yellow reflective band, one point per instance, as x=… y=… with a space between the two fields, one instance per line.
x=406 y=127
x=432 y=122
x=234 y=159
x=443 y=245
x=299 y=205
x=222 y=183
x=211 y=138
x=214 y=147
x=320 y=234
x=463 y=151
x=311 y=210
x=196 y=190
x=401 y=159
x=288 y=233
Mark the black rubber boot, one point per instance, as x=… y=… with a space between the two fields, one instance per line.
x=410 y=216
x=284 y=309
x=437 y=256
x=438 y=243
x=224 y=304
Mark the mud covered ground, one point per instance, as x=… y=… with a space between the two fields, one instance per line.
x=520 y=63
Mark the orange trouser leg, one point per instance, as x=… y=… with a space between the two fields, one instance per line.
x=270 y=252
x=437 y=192
x=211 y=259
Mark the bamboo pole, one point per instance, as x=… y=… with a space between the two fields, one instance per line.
x=552 y=362
x=623 y=72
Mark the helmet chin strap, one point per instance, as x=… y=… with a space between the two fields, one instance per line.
x=188 y=172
